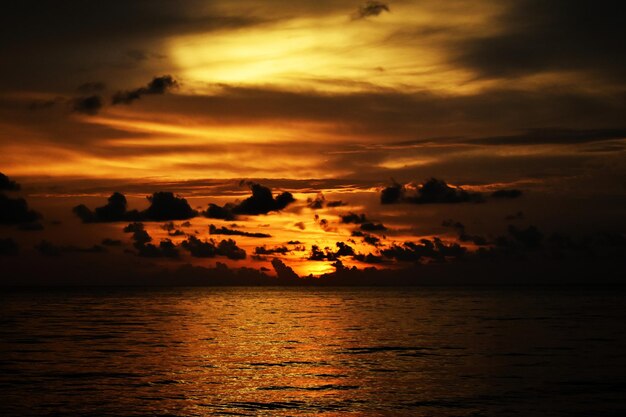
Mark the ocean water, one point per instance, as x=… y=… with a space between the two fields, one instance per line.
x=322 y=352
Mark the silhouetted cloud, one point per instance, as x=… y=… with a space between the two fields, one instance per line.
x=433 y=191
x=113 y=211
x=141 y=239
x=158 y=85
x=260 y=202
x=7 y=184
x=8 y=246
x=111 y=242
x=353 y=218
x=367 y=238
x=434 y=249
x=167 y=206
x=262 y=250
x=373 y=227
x=463 y=235
x=370 y=8
x=229 y=249
x=283 y=271
x=199 y=248
x=556 y=136
x=16 y=211
x=226 y=231
x=87 y=105
x=328 y=254
x=210 y=249
x=164 y=206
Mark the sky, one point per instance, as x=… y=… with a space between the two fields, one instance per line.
x=339 y=142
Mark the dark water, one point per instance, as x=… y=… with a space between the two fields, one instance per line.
x=323 y=352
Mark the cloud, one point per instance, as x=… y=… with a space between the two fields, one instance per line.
x=111 y=242
x=113 y=211
x=199 y=248
x=8 y=246
x=370 y=8
x=262 y=250
x=283 y=271
x=544 y=36
x=328 y=254
x=141 y=239
x=209 y=248
x=226 y=231
x=463 y=235
x=16 y=211
x=433 y=191
x=353 y=218
x=260 y=202
x=7 y=184
x=434 y=249
x=164 y=206
x=549 y=136
x=158 y=85
x=87 y=105
x=167 y=206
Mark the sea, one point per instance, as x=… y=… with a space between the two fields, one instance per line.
x=313 y=352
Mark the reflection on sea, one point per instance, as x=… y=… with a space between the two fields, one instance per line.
x=271 y=351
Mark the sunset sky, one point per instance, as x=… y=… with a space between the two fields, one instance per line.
x=406 y=136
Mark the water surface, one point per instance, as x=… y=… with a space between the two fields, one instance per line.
x=323 y=352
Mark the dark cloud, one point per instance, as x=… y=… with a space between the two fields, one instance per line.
x=111 y=242
x=226 y=231
x=557 y=136
x=158 y=85
x=433 y=191
x=199 y=248
x=229 y=249
x=7 y=184
x=283 y=271
x=262 y=250
x=260 y=202
x=353 y=218
x=164 y=206
x=328 y=254
x=113 y=211
x=8 y=246
x=463 y=235
x=373 y=227
x=87 y=105
x=167 y=206
x=165 y=249
x=434 y=249
x=541 y=36
x=210 y=249
x=16 y=211
x=317 y=202
x=367 y=238
x=370 y=8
